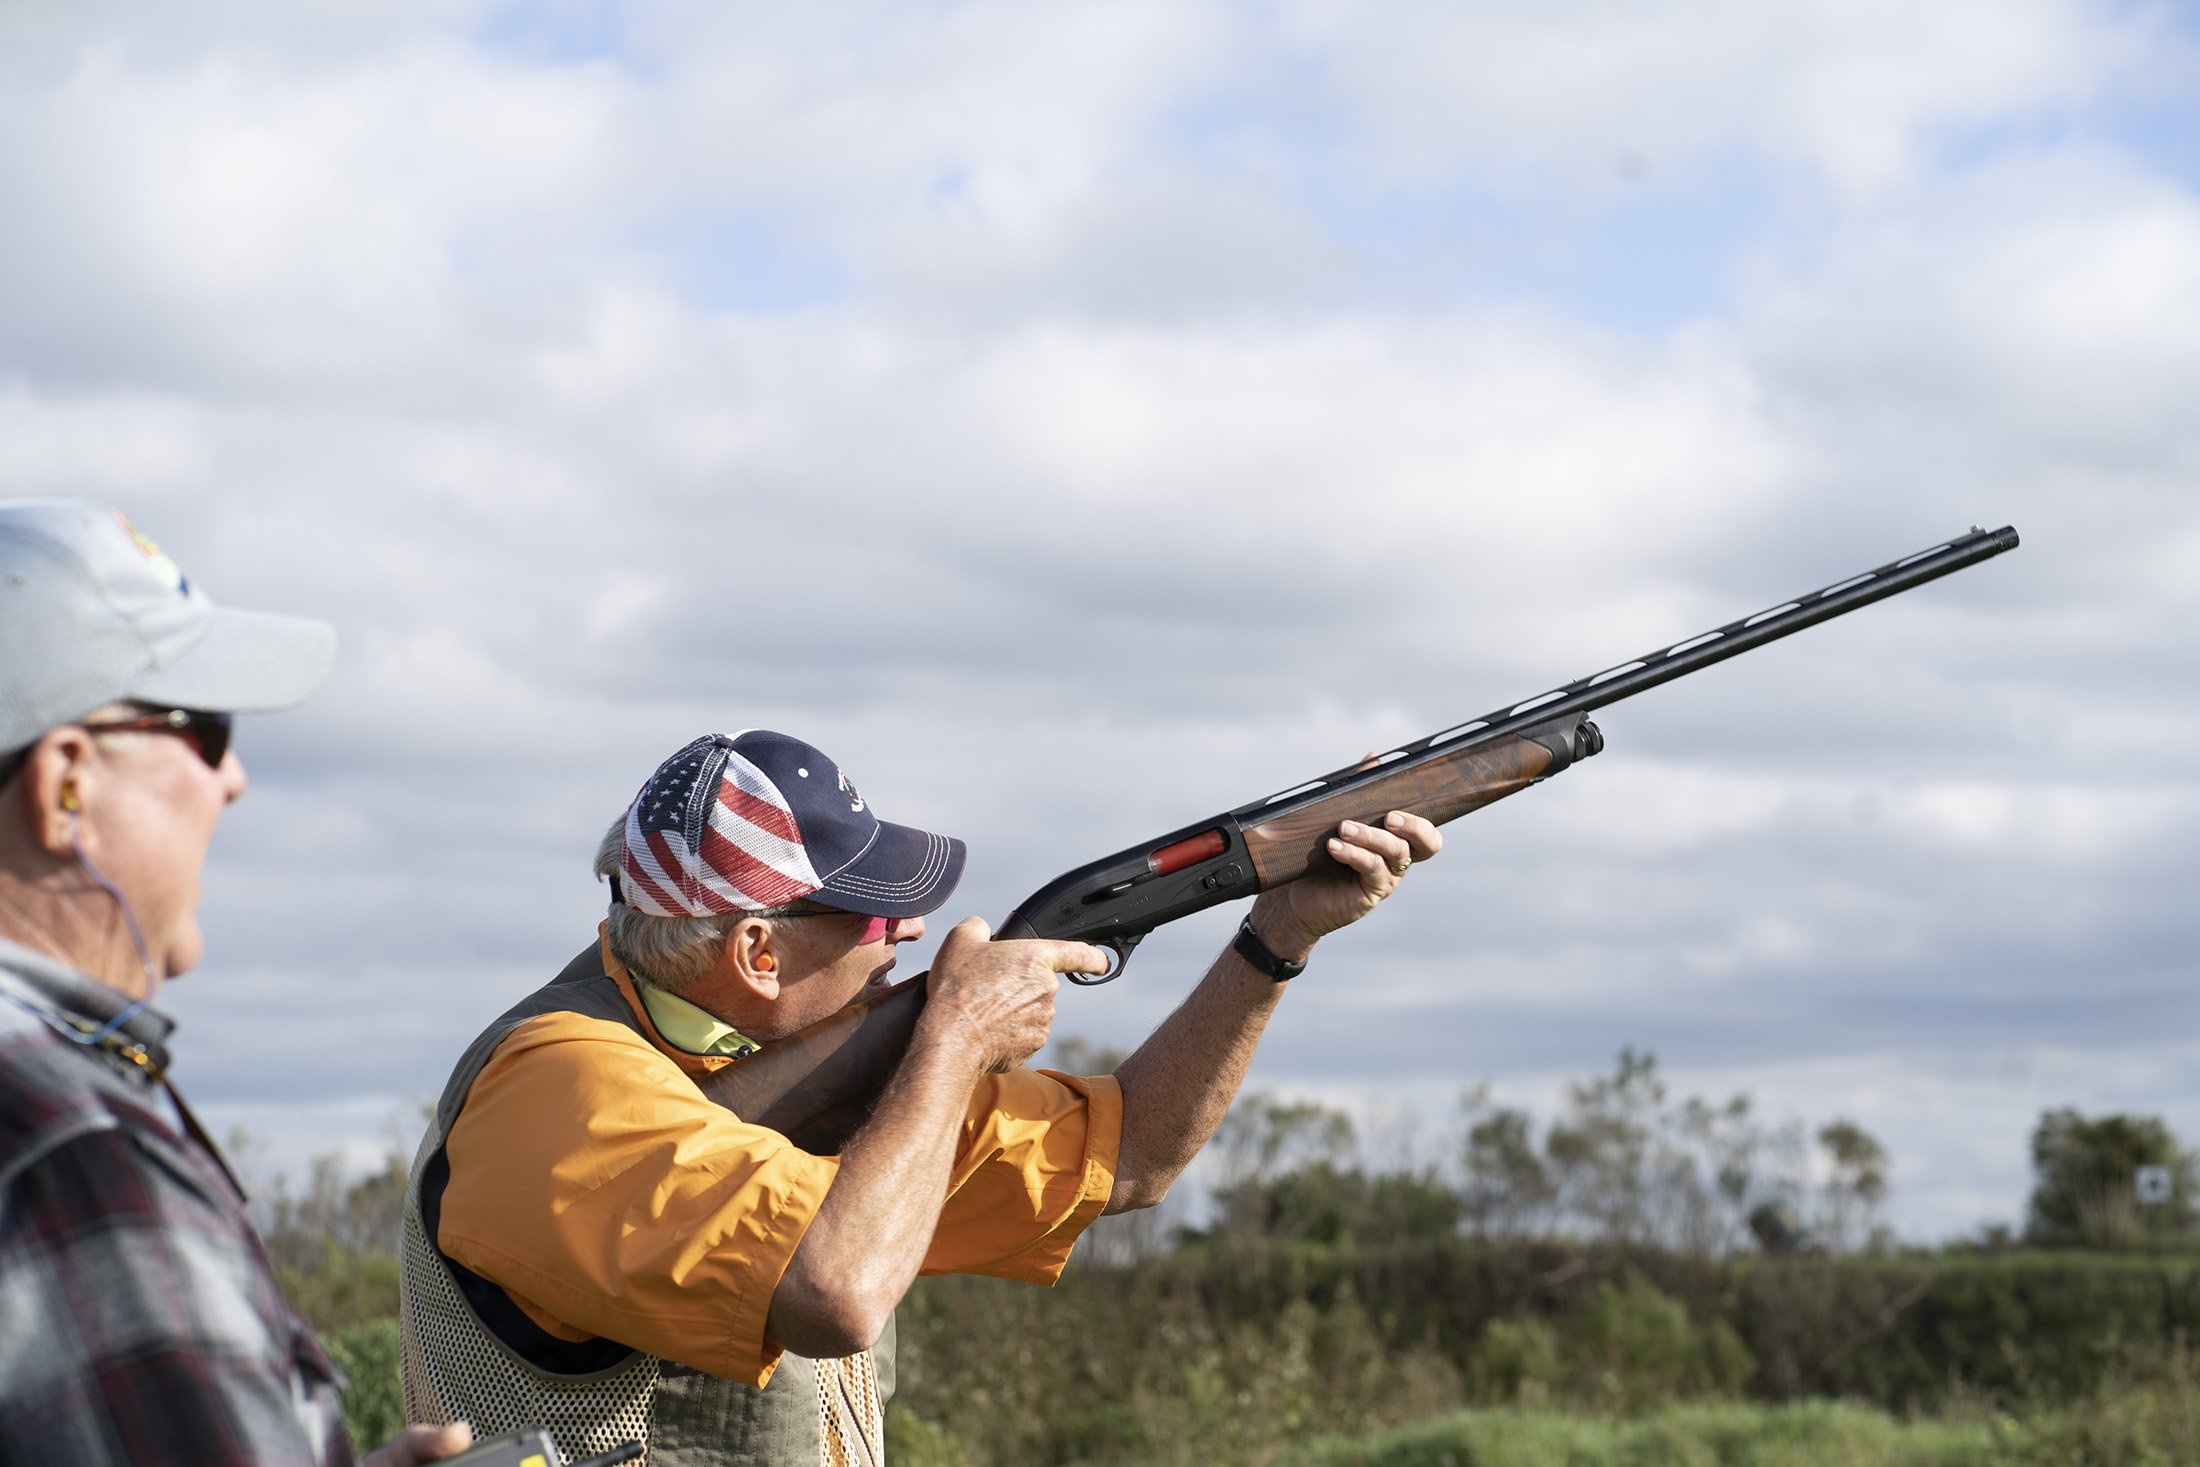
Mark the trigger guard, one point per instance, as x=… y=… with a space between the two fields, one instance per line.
x=1121 y=947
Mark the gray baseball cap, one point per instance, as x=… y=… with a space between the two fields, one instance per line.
x=91 y=612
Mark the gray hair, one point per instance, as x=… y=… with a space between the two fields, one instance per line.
x=672 y=952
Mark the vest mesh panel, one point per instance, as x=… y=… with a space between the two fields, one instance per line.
x=851 y=1423
x=455 y=1368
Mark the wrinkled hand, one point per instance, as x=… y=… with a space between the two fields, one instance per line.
x=998 y=997
x=416 y=1445
x=1371 y=861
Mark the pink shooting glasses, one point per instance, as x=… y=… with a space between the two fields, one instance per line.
x=875 y=929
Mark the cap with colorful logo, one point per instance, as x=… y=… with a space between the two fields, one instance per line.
x=755 y=820
x=92 y=612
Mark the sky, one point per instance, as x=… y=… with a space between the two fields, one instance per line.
x=1082 y=419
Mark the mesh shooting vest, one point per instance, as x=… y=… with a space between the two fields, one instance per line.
x=469 y=1352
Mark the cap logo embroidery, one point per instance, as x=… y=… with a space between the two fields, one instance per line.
x=162 y=566
x=847 y=787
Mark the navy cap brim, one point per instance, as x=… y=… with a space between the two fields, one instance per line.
x=905 y=872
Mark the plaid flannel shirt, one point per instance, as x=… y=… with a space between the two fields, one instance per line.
x=139 y=1320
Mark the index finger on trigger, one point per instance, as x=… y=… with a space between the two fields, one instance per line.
x=1077 y=957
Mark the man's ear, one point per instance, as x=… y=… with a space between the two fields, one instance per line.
x=56 y=787
x=754 y=955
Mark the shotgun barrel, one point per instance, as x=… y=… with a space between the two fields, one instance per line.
x=816 y=1086
x=1115 y=901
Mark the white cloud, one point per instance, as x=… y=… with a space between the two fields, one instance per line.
x=2045 y=308
x=1106 y=483
x=1859 y=94
x=111 y=447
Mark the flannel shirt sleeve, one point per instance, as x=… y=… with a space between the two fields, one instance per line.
x=139 y=1322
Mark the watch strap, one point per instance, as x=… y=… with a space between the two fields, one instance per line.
x=1249 y=946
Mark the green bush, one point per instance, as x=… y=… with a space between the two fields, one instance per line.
x=341 y=1287
x=912 y=1441
x=2151 y=1417
x=1901 y=1331
x=375 y=1405
x=1627 y=1348
x=1909 y=1331
x=1639 y=1348
x=1518 y=1361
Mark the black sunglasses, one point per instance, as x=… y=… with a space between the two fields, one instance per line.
x=206 y=732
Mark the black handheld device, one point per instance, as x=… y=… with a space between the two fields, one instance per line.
x=530 y=1446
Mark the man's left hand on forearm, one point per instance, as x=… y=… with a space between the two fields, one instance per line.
x=1371 y=861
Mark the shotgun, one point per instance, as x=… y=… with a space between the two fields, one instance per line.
x=817 y=1085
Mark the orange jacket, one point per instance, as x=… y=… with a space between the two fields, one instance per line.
x=592 y=1181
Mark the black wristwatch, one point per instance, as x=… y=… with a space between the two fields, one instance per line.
x=1249 y=947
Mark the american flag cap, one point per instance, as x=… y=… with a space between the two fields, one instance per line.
x=754 y=820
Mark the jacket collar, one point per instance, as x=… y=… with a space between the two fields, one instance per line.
x=81 y=1006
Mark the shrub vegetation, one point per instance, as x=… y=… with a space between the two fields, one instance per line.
x=1600 y=1288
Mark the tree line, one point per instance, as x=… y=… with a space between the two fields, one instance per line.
x=1634 y=1246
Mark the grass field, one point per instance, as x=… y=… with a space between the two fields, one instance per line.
x=1806 y=1434
x=2152 y=1426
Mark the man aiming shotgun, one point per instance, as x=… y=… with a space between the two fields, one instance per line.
x=593 y=1243
x=628 y=1218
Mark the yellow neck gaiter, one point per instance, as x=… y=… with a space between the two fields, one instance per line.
x=689 y=1027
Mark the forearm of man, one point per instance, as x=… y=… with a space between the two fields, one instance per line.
x=1179 y=1084
x=862 y=1250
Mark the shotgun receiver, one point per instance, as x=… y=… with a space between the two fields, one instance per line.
x=816 y=1086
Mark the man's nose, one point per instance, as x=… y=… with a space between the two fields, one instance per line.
x=232 y=777
x=908 y=929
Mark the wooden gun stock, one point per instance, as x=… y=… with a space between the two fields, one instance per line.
x=1286 y=847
